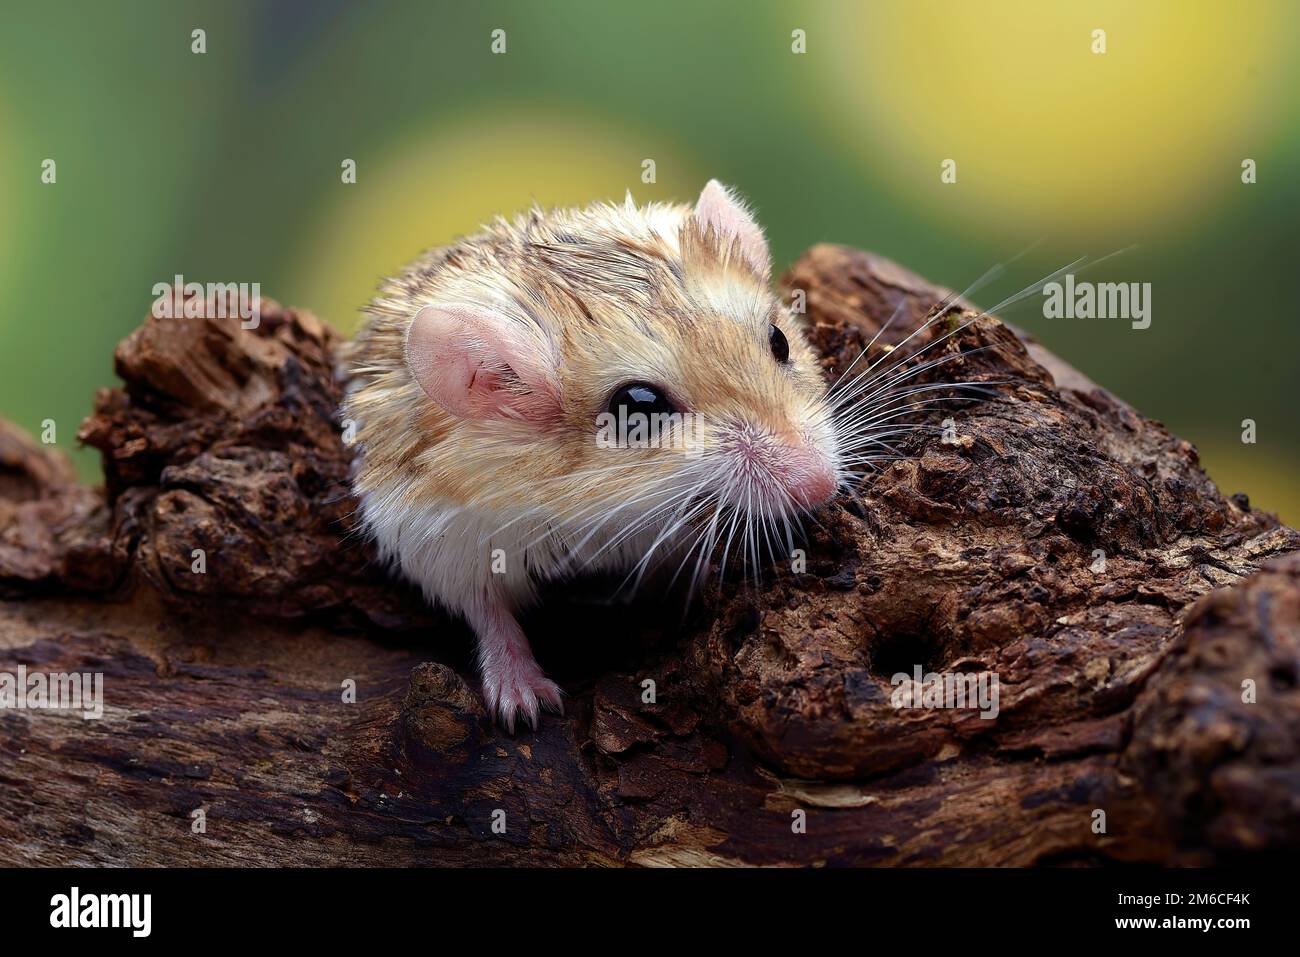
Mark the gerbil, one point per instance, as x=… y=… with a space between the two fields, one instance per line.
x=476 y=386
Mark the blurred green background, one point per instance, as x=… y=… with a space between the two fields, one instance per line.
x=225 y=166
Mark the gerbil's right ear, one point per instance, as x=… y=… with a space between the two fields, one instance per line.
x=479 y=364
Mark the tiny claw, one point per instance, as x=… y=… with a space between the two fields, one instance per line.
x=551 y=697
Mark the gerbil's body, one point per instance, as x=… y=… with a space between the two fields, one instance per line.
x=476 y=388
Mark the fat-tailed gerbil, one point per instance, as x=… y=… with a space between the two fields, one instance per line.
x=477 y=390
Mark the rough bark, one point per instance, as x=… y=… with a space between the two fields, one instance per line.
x=1121 y=687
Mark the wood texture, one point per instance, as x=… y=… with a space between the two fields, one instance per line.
x=1120 y=690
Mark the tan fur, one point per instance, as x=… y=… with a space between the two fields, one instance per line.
x=620 y=293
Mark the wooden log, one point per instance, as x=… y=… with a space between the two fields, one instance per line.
x=1058 y=539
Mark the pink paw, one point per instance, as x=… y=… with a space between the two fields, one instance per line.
x=519 y=686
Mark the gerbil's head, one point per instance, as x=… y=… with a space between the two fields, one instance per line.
x=631 y=363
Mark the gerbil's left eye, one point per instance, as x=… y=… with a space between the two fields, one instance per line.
x=776 y=339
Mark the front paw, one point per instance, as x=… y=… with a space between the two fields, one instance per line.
x=520 y=687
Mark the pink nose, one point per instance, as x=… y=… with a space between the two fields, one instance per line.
x=808 y=476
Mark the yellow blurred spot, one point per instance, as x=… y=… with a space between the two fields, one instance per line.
x=454 y=177
x=1269 y=480
x=1044 y=130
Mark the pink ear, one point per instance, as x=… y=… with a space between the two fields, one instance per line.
x=719 y=208
x=480 y=364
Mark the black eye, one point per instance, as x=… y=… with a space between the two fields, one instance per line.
x=640 y=397
x=776 y=339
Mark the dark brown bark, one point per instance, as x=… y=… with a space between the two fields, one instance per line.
x=1121 y=689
